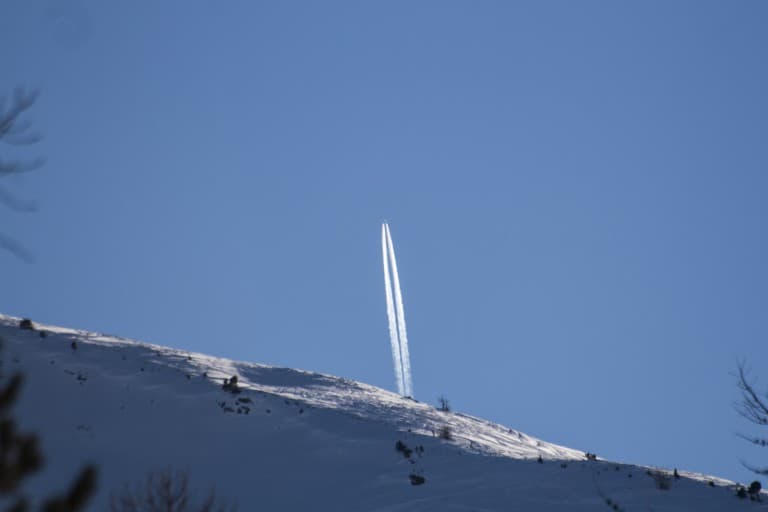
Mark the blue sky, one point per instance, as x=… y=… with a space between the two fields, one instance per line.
x=576 y=192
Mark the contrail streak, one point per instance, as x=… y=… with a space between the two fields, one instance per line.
x=404 y=356
x=396 y=360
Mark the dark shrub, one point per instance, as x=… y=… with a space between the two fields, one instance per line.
x=663 y=481
x=416 y=479
x=403 y=448
x=445 y=432
x=443 y=404
x=231 y=385
x=741 y=492
x=26 y=323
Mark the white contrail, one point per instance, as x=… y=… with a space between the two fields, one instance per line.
x=404 y=355
x=396 y=360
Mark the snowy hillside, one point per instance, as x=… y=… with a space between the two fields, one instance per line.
x=295 y=441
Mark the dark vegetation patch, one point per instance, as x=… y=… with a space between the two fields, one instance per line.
x=662 y=480
x=230 y=385
x=416 y=479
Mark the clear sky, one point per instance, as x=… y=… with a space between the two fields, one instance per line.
x=576 y=191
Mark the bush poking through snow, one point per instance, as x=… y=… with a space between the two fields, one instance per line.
x=231 y=385
x=663 y=481
x=403 y=448
x=164 y=491
x=443 y=404
x=753 y=493
x=445 y=433
x=416 y=479
x=26 y=324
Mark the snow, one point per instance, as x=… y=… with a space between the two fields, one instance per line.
x=308 y=441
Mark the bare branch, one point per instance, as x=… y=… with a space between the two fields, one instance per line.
x=15 y=248
x=23 y=139
x=19 y=127
x=752 y=407
x=756 y=470
x=17 y=132
x=16 y=167
x=212 y=504
x=164 y=491
x=759 y=441
x=22 y=101
x=14 y=203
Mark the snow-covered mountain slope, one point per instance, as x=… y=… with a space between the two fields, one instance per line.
x=294 y=441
